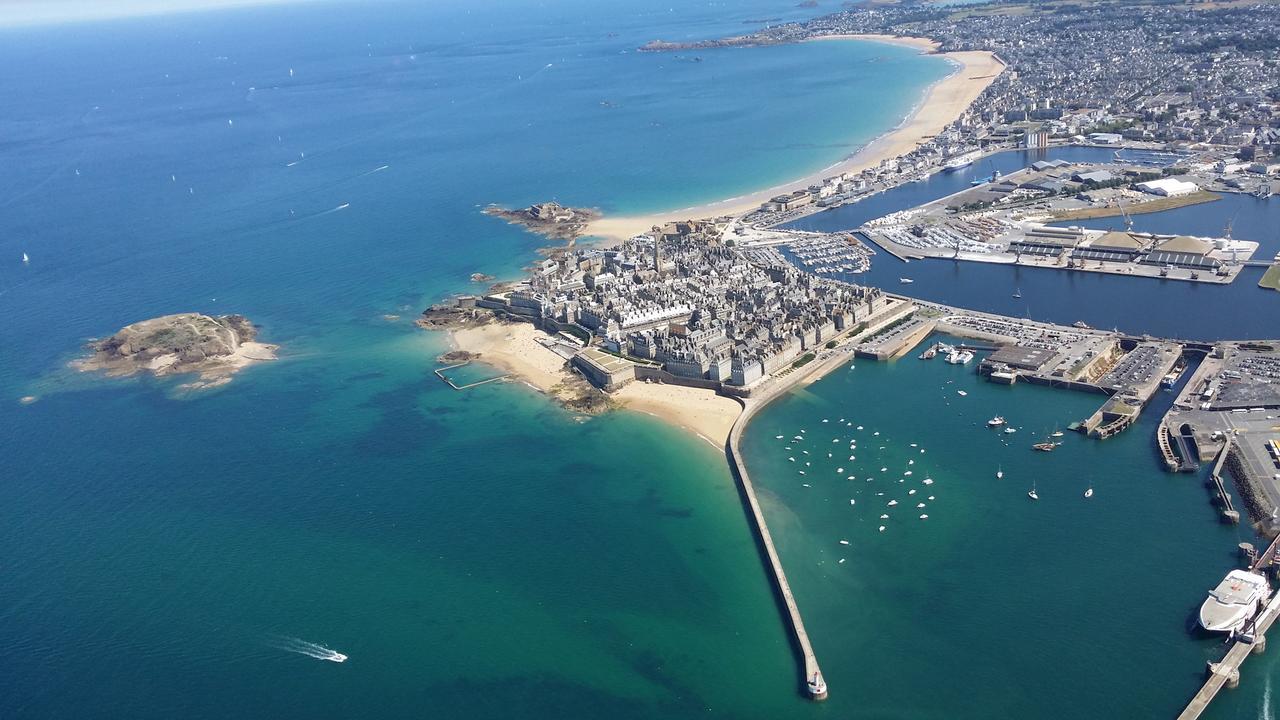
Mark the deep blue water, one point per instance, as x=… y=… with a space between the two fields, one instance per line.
x=477 y=554
x=1178 y=309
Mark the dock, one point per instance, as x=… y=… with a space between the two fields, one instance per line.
x=1218 y=487
x=1227 y=671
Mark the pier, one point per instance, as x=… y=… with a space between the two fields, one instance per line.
x=1221 y=497
x=813 y=683
x=1227 y=671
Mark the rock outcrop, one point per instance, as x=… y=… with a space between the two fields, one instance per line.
x=215 y=347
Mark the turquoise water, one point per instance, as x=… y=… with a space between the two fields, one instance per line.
x=477 y=554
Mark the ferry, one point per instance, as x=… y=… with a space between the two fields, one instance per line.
x=1233 y=602
x=962 y=161
x=996 y=421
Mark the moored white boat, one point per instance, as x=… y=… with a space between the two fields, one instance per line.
x=1233 y=602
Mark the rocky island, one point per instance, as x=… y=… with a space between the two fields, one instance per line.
x=214 y=347
x=550 y=219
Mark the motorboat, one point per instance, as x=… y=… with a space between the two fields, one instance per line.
x=1234 y=601
x=1089 y=493
x=996 y=421
x=1010 y=431
x=905 y=281
x=959 y=357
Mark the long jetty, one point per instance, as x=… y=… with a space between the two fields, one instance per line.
x=814 y=685
x=1227 y=671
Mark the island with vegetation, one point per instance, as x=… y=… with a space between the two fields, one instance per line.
x=214 y=347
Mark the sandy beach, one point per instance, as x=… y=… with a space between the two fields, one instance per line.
x=513 y=348
x=944 y=101
x=703 y=412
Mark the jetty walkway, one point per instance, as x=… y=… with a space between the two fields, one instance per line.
x=814 y=683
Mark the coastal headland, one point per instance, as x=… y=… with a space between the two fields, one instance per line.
x=944 y=102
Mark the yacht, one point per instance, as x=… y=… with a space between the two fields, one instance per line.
x=1056 y=433
x=959 y=357
x=961 y=161
x=1045 y=446
x=1032 y=492
x=1082 y=325
x=1235 y=600
x=996 y=421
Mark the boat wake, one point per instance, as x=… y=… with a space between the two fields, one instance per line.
x=310 y=649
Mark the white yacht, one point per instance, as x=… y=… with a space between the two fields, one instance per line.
x=959 y=357
x=996 y=421
x=1235 y=600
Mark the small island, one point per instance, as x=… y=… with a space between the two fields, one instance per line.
x=549 y=219
x=214 y=347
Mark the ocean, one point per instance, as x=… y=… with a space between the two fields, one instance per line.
x=321 y=169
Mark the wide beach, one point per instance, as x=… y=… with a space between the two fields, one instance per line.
x=943 y=102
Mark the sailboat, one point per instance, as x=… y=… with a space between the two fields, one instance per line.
x=25 y=260
x=1000 y=474
x=1089 y=493
x=1032 y=493
x=1017 y=293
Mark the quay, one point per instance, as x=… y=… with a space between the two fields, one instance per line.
x=1221 y=497
x=1227 y=671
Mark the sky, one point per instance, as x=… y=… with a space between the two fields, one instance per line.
x=20 y=13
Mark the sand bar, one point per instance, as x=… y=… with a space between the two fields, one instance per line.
x=943 y=102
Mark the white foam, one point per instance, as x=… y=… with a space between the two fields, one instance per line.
x=310 y=649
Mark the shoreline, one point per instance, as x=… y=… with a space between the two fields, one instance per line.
x=514 y=349
x=941 y=103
